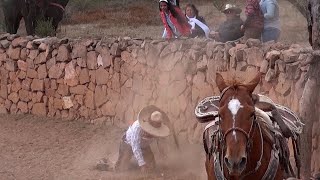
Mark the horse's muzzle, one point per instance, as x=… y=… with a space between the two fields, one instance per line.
x=235 y=166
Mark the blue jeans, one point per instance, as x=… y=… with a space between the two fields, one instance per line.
x=270 y=34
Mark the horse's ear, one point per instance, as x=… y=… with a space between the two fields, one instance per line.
x=253 y=83
x=220 y=82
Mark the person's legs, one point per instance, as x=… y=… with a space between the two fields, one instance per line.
x=149 y=157
x=270 y=34
x=125 y=154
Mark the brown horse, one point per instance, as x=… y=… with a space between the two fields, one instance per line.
x=241 y=146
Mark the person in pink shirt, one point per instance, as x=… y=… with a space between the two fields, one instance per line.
x=253 y=25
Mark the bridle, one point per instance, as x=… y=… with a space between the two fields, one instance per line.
x=221 y=138
x=237 y=129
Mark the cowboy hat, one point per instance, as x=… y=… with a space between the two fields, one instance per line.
x=151 y=120
x=232 y=7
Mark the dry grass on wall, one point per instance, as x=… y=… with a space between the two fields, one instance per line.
x=140 y=19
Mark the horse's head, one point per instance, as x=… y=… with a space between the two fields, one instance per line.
x=237 y=116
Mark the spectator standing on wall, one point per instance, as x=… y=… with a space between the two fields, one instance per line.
x=230 y=29
x=198 y=24
x=174 y=21
x=253 y=25
x=270 y=10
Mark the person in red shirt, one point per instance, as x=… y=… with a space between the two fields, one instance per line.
x=253 y=25
x=174 y=21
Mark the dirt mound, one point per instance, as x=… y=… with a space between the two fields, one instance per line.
x=42 y=148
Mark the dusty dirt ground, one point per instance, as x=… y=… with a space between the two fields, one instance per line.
x=41 y=148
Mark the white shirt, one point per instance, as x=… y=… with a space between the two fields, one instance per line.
x=194 y=21
x=136 y=141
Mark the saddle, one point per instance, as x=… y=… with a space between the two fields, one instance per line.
x=279 y=118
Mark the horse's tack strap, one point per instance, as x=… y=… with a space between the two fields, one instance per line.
x=58 y=5
x=217 y=167
x=273 y=166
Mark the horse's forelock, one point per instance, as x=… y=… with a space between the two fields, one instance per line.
x=234 y=81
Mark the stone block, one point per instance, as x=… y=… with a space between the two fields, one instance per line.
x=41 y=58
x=14 y=53
x=79 y=89
x=289 y=56
x=253 y=43
x=253 y=56
x=71 y=77
x=31 y=73
x=79 y=51
x=292 y=70
x=14 y=97
x=42 y=71
x=33 y=54
x=63 y=54
x=264 y=66
x=102 y=76
x=23 y=107
x=37 y=85
x=89 y=100
x=273 y=55
x=56 y=71
x=84 y=76
x=39 y=109
x=270 y=75
x=24 y=95
x=5 y=43
x=22 y=65
x=10 y=65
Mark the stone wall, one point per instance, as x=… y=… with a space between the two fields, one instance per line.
x=110 y=80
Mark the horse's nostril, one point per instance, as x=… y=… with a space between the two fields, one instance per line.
x=243 y=162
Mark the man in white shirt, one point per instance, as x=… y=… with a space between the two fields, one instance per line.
x=136 y=141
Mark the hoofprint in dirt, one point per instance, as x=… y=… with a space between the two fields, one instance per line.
x=41 y=148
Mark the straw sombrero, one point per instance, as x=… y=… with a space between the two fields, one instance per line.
x=232 y=7
x=151 y=120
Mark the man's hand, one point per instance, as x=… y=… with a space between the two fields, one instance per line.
x=214 y=35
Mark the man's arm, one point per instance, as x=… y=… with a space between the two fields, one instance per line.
x=271 y=7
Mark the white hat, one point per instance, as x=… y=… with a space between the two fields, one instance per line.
x=163 y=1
x=232 y=7
x=151 y=121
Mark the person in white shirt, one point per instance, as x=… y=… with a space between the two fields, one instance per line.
x=199 y=27
x=136 y=141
